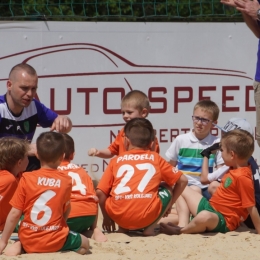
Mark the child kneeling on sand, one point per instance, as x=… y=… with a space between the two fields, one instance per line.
x=43 y=196
x=129 y=191
x=84 y=202
x=233 y=200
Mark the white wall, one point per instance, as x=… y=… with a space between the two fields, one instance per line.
x=84 y=62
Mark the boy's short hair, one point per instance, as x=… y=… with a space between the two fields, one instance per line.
x=140 y=132
x=50 y=146
x=12 y=149
x=208 y=106
x=69 y=146
x=138 y=98
x=240 y=142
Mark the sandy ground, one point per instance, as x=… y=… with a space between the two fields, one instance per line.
x=240 y=244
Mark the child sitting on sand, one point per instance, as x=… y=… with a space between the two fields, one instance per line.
x=13 y=161
x=43 y=196
x=233 y=200
x=84 y=202
x=130 y=191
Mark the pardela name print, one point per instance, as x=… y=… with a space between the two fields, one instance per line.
x=135 y=157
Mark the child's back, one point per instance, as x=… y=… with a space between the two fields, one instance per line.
x=43 y=196
x=133 y=202
x=83 y=195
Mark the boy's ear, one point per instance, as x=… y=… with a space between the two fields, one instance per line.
x=72 y=156
x=145 y=112
x=36 y=154
x=126 y=143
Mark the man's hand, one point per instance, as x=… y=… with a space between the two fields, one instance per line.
x=208 y=151
x=62 y=124
x=248 y=7
x=228 y=2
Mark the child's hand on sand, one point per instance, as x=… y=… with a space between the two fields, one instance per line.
x=109 y=225
x=92 y=151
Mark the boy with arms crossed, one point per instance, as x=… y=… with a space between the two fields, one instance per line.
x=13 y=161
x=84 y=207
x=43 y=196
x=135 y=104
x=185 y=150
x=233 y=200
x=129 y=191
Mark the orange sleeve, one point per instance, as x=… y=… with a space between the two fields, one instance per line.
x=107 y=179
x=118 y=145
x=18 y=199
x=169 y=173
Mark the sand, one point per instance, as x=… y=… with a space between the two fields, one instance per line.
x=240 y=244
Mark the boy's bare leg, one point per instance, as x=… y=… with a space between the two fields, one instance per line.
x=204 y=221
x=190 y=199
x=84 y=245
x=171 y=218
x=95 y=233
x=183 y=212
x=14 y=249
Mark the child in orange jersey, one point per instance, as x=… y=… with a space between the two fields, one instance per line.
x=129 y=191
x=135 y=104
x=43 y=197
x=233 y=200
x=84 y=207
x=13 y=161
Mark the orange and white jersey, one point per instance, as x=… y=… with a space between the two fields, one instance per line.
x=83 y=195
x=43 y=196
x=8 y=185
x=118 y=146
x=131 y=182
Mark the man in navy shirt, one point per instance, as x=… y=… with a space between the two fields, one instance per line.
x=20 y=112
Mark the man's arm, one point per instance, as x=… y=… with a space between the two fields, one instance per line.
x=255 y=218
x=11 y=221
x=249 y=10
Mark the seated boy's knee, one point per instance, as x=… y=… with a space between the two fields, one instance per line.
x=196 y=188
x=206 y=216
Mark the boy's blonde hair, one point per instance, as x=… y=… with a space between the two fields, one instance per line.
x=12 y=149
x=240 y=142
x=138 y=99
x=208 y=106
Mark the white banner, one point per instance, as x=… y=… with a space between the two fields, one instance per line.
x=85 y=68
